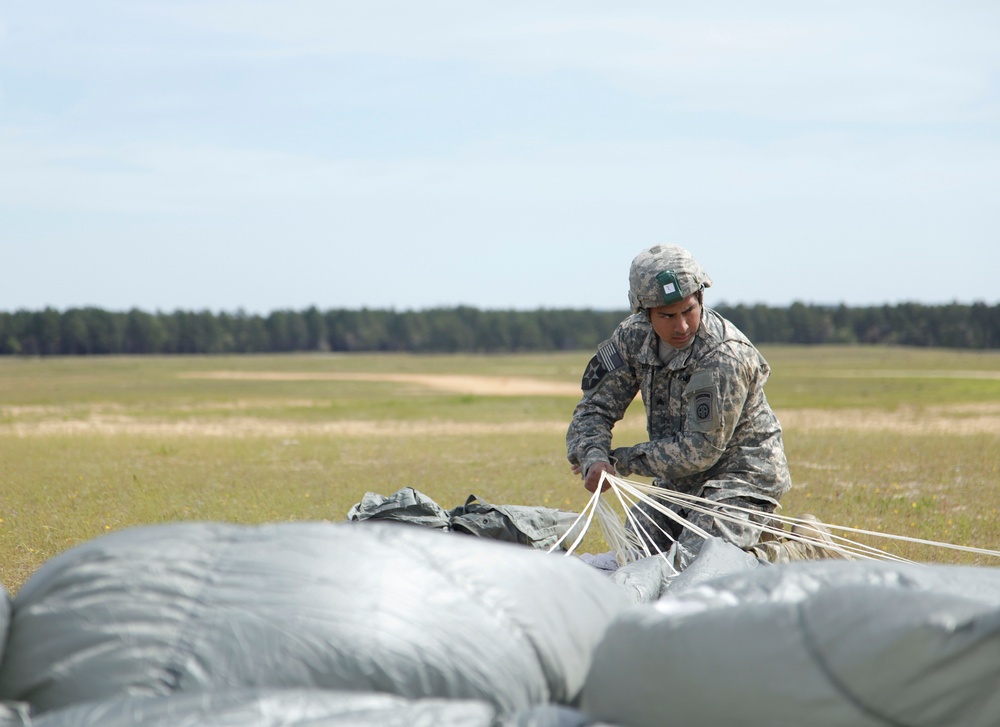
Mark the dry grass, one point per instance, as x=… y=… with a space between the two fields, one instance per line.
x=903 y=441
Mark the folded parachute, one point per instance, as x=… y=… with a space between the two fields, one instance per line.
x=823 y=643
x=373 y=607
x=383 y=623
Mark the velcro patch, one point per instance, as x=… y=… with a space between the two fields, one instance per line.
x=607 y=359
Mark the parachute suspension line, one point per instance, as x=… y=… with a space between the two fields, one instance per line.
x=718 y=510
x=588 y=512
x=629 y=492
x=683 y=497
x=638 y=545
x=837 y=544
x=647 y=493
x=622 y=542
x=649 y=496
x=626 y=545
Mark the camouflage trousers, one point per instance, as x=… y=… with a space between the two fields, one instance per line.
x=742 y=528
x=818 y=544
x=660 y=531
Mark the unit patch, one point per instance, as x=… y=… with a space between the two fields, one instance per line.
x=607 y=359
x=703 y=405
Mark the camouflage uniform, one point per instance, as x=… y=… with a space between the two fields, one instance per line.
x=711 y=430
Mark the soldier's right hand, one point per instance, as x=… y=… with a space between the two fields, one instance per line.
x=593 y=478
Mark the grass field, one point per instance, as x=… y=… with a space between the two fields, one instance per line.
x=903 y=441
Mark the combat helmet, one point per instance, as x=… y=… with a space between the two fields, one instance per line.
x=664 y=274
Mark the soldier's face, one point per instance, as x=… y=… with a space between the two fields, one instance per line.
x=677 y=323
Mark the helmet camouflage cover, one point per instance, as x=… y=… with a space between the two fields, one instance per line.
x=664 y=274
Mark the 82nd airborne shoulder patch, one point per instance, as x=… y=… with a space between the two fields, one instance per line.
x=607 y=359
x=703 y=406
x=703 y=402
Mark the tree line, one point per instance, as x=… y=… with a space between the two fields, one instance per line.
x=80 y=331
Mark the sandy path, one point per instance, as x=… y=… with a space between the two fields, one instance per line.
x=114 y=419
x=240 y=427
x=957 y=420
x=476 y=385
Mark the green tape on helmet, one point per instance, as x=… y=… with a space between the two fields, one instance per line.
x=667 y=281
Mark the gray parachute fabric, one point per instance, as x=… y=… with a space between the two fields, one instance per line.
x=300 y=708
x=12 y=714
x=364 y=607
x=295 y=708
x=823 y=643
x=406 y=505
x=292 y=708
x=4 y=619
x=537 y=526
x=644 y=580
x=15 y=714
x=647 y=579
x=271 y=708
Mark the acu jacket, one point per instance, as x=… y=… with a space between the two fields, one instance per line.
x=711 y=430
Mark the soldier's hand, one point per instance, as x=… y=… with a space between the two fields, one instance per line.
x=593 y=478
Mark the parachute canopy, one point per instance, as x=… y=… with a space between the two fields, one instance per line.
x=382 y=623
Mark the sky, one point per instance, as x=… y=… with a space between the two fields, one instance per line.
x=255 y=156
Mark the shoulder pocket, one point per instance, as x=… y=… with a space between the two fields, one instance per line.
x=702 y=398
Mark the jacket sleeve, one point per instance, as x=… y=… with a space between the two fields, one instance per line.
x=610 y=383
x=712 y=404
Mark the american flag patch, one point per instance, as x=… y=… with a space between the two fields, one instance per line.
x=610 y=357
x=607 y=359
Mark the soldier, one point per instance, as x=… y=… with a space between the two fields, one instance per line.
x=711 y=430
